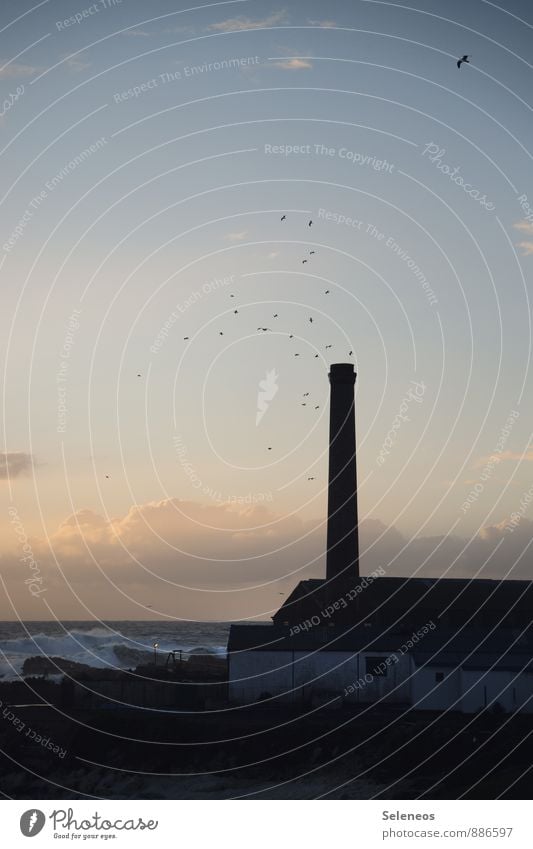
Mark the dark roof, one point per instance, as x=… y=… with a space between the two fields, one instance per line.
x=273 y=638
x=472 y=648
x=391 y=598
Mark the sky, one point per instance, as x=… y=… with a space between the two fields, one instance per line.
x=160 y=166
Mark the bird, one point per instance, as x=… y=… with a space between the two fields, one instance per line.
x=269 y=449
x=235 y=312
x=291 y=336
x=107 y=476
x=220 y=333
x=326 y=292
x=185 y=338
x=297 y=355
x=232 y=296
x=311 y=320
x=275 y=315
x=311 y=252
x=328 y=346
x=304 y=404
x=310 y=479
x=304 y=261
x=317 y=407
x=350 y=354
x=305 y=394
x=138 y=375
x=283 y=217
x=310 y=222
x=463 y=59
x=281 y=593
x=316 y=356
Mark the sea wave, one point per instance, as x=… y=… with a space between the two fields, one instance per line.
x=99 y=647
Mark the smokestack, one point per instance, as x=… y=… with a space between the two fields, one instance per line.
x=342 y=561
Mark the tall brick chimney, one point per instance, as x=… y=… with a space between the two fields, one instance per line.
x=342 y=562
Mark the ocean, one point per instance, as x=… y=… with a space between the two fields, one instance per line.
x=104 y=644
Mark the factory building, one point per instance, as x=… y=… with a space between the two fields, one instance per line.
x=434 y=644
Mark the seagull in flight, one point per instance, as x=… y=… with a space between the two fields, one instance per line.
x=185 y=338
x=139 y=375
x=317 y=407
x=311 y=320
x=310 y=222
x=283 y=217
x=328 y=346
x=235 y=312
x=311 y=252
x=232 y=296
x=305 y=394
x=326 y=292
x=304 y=261
x=464 y=58
x=310 y=479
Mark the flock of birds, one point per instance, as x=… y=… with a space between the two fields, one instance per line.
x=463 y=60
x=291 y=336
x=276 y=315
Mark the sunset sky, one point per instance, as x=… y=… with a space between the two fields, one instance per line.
x=148 y=155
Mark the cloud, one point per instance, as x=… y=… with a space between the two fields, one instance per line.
x=527 y=227
x=526 y=456
x=236 y=237
x=136 y=33
x=75 y=64
x=242 y=22
x=524 y=225
x=203 y=561
x=15 y=464
x=15 y=69
x=295 y=64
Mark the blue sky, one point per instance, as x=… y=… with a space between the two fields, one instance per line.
x=171 y=183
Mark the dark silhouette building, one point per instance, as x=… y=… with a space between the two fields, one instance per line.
x=437 y=644
x=345 y=598
x=342 y=563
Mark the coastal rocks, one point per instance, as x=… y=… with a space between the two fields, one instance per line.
x=41 y=665
x=130 y=657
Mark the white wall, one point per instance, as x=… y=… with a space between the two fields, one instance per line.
x=524 y=692
x=428 y=694
x=253 y=673
x=510 y=689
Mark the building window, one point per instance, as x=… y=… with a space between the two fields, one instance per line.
x=376 y=666
x=439 y=676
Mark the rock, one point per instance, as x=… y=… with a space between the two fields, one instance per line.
x=41 y=665
x=127 y=656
